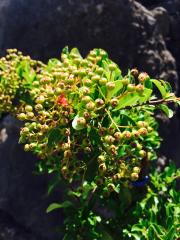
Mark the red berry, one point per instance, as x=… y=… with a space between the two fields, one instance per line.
x=62 y=100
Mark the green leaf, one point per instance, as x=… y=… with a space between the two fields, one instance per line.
x=137 y=228
x=128 y=99
x=55 y=206
x=169 y=113
x=160 y=87
x=178 y=102
x=171 y=234
x=54 y=137
x=148 y=84
x=145 y=95
x=167 y=86
x=75 y=51
x=65 y=50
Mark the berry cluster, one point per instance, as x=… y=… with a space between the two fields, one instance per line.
x=82 y=116
x=17 y=72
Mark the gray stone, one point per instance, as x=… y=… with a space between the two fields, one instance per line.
x=23 y=194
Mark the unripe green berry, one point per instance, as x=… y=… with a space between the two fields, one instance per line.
x=35 y=83
x=86 y=99
x=58 y=91
x=85 y=90
x=134 y=176
x=112 y=148
x=150 y=129
x=110 y=85
x=84 y=62
x=127 y=135
x=40 y=99
x=102 y=168
x=98 y=58
x=142 y=124
x=63 y=121
x=136 y=169
x=70 y=79
x=32 y=146
x=50 y=92
x=143 y=77
x=26 y=147
x=64 y=170
x=30 y=115
x=135 y=72
x=38 y=107
x=149 y=155
x=102 y=81
x=114 y=102
x=87 y=82
x=81 y=121
x=44 y=127
x=111 y=187
x=82 y=72
x=143 y=131
x=25 y=130
x=117 y=176
x=118 y=136
x=87 y=149
x=93 y=53
x=22 y=116
x=112 y=66
x=86 y=115
x=77 y=60
x=102 y=53
x=139 y=146
x=142 y=153
x=109 y=139
x=28 y=108
x=95 y=78
x=90 y=106
x=125 y=81
x=99 y=102
x=135 y=134
x=131 y=87
x=101 y=158
x=99 y=70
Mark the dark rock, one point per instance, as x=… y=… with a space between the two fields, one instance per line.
x=23 y=194
x=169 y=27
x=163 y=20
x=127 y=30
x=11 y=230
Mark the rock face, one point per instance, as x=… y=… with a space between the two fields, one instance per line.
x=23 y=194
x=167 y=15
x=134 y=37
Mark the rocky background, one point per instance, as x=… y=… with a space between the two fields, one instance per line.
x=143 y=34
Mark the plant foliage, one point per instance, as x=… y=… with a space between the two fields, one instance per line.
x=95 y=128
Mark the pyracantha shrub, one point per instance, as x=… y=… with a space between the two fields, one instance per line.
x=87 y=122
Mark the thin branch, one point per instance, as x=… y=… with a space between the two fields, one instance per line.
x=155 y=102
x=112 y=120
